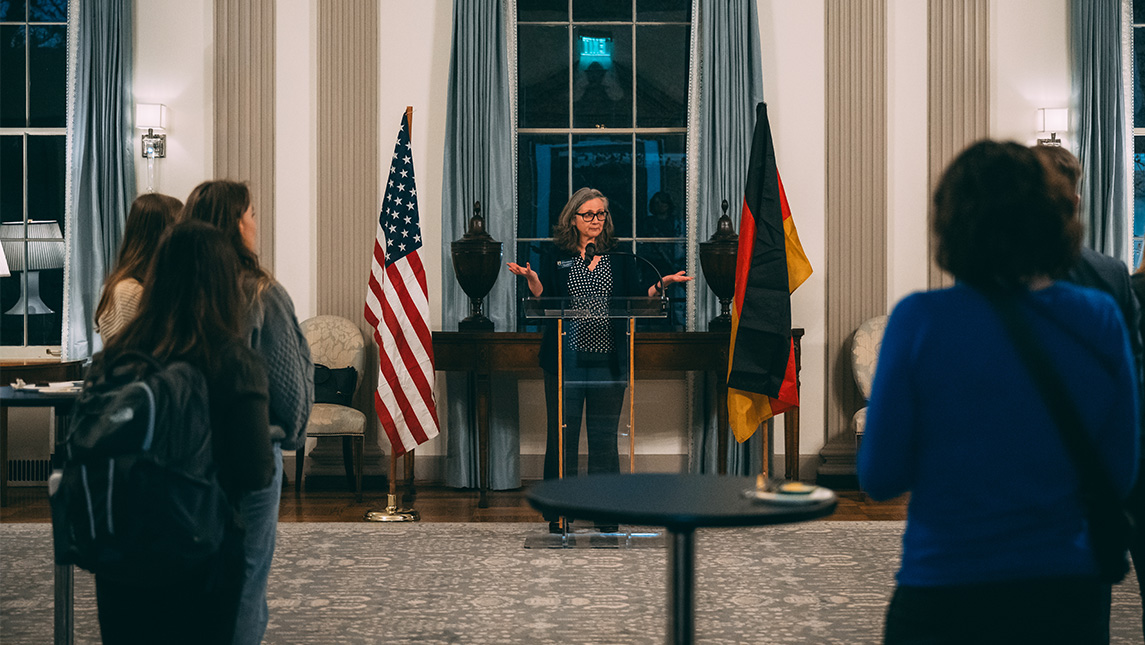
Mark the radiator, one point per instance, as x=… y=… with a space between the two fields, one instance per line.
x=29 y=472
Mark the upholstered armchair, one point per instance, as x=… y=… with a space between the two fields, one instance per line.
x=336 y=343
x=865 y=346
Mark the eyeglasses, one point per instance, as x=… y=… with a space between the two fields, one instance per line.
x=591 y=216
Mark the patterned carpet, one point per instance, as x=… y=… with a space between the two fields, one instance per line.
x=823 y=582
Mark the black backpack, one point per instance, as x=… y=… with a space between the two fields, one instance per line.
x=139 y=499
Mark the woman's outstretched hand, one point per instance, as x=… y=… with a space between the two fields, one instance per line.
x=671 y=278
x=530 y=275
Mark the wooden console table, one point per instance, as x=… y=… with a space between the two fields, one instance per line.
x=481 y=354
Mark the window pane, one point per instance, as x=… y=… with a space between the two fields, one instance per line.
x=543 y=84
x=602 y=77
x=48 y=11
x=661 y=76
x=1138 y=186
x=534 y=253
x=1139 y=11
x=542 y=182
x=605 y=163
x=12 y=11
x=601 y=10
x=660 y=180
x=1138 y=81
x=46 y=178
x=12 y=79
x=11 y=178
x=667 y=258
x=47 y=69
x=11 y=325
x=664 y=10
x=542 y=10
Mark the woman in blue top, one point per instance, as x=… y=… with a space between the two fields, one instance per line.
x=595 y=375
x=996 y=547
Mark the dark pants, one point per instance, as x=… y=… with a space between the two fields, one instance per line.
x=592 y=388
x=1073 y=610
x=199 y=608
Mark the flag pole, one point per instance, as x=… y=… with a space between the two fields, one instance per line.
x=392 y=513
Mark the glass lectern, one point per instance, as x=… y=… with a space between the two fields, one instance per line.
x=595 y=365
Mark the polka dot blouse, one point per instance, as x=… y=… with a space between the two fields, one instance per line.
x=590 y=291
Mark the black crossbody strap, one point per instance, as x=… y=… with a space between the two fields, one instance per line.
x=1095 y=481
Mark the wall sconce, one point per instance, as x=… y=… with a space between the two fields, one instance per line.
x=1052 y=120
x=152 y=117
x=45 y=250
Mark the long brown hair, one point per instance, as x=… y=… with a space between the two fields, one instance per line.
x=565 y=234
x=192 y=302
x=221 y=203
x=149 y=217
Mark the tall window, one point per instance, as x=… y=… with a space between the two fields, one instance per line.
x=33 y=119
x=602 y=101
x=1138 y=59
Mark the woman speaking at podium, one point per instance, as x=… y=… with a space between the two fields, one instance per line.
x=595 y=379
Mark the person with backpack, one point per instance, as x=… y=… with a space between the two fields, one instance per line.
x=192 y=311
x=273 y=332
x=150 y=215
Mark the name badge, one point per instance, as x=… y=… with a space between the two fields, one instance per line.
x=565 y=264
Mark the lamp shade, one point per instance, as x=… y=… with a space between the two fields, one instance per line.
x=150 y=116
x=1053 y=120
x=45 y=245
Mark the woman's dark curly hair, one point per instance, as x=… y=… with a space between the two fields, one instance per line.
x=1001 y=217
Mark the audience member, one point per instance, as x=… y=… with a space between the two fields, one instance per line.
x=192 y=311
x=1110 y=275
x=997 y=545
x=150 y=215
x=272 y=330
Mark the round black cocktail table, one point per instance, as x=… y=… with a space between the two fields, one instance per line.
x=680 y=503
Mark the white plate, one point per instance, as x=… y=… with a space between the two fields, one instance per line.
x=817 y=494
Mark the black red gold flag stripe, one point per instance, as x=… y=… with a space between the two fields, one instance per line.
x=769 y=266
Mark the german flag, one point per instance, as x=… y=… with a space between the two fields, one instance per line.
x=769 y=266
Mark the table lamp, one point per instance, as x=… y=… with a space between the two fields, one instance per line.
x=44 y=246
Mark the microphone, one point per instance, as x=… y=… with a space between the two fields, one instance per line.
x=659 y=276
x=589 y=252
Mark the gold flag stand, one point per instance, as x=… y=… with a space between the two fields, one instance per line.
x=392 y=513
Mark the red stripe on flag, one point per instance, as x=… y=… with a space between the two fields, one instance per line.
x=409 y=361
x=743 y=253
x=410 y=308
x=408 y=416
x=389 y=426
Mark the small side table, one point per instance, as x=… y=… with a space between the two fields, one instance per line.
x=681 y=503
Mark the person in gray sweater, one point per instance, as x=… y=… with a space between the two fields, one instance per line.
x=273 y=332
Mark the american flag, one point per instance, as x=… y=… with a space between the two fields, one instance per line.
x=397 y=307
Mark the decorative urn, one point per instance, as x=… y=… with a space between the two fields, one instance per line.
x=718 y=261
x=477 y=263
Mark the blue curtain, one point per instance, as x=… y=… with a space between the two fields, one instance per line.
x=102 y=170
x=1099 y=120
x=479 y=167
x=731 y=84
